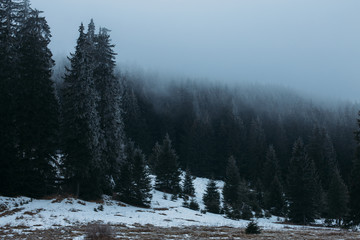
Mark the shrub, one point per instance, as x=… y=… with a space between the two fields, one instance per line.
x=193 y=205
x=252 y=228
x=185 y=204
x=174 y=197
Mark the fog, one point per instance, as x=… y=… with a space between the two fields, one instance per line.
x=311 y=46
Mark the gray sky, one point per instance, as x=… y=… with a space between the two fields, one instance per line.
x=309 y=45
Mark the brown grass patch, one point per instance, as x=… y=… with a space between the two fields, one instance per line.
x=121 y=204
x=11 y=212
x=81 y=202
x=161 y=209
x=150 y=232
x=3 y=207
x=33 y=212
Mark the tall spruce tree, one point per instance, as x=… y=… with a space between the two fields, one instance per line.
x=274 y=194
x=322 y=152
x=8 y=80
x=142 y=181
x=231 y=192
x=355 y=180
x=81 y=123
x=303 y=187
x=337 y=198
x=271 y=167
x=37 y=107
x=211 y=197
x=167 y=169
x=109 y=104
x=274 y=198
x=257 y=149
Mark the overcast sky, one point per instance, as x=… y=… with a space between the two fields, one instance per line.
x=309 y=45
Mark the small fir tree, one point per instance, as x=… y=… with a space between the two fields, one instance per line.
x=338 y=198
x=211 y=197
x=188 y=186
x=154 y=156
x=274 y=198
x=193 y=205
x=271 y=167
x=252 y=228
x=142 y=180
x=231 y=193
x=167 y=170
x=303 y=188
x=134 y=184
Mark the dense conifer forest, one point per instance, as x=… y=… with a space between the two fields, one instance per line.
x=89 y=127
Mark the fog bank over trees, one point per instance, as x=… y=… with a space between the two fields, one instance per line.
x=305 y=45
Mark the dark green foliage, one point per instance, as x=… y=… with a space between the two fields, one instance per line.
x=235 y=192
x=109 y=102
x=124 y=180
x=252 y=228
x=29 y=119
x=134 y=184
x=8 y=79
x=271 y=167
x=188 y=186
x=142 y=182
x=186 y=203
x=154 y=156
x=246 y=212
x=231 y=185
x=167 y=169
x=303 y=188
x=211 y=197
x=321 y=150
x=274 y=198
x=355 y=180
x=37 y=107
x=174 y=197
x=93 y=136
x=193 y=205
x=208 y=122
x=257 y=148
x=338 y=198
x=82 y=136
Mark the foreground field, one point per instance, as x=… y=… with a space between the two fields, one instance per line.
x=60 y=217
x=190 y=232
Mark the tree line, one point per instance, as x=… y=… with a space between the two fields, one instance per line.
x=91 y=134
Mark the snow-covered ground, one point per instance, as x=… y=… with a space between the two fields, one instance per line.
x=44 y=214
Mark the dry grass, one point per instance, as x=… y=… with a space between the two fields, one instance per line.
x=81 y=202
x=150 y=232
x=11 y=212
x=33 y=212
x=99 y=231
x=161 y=209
